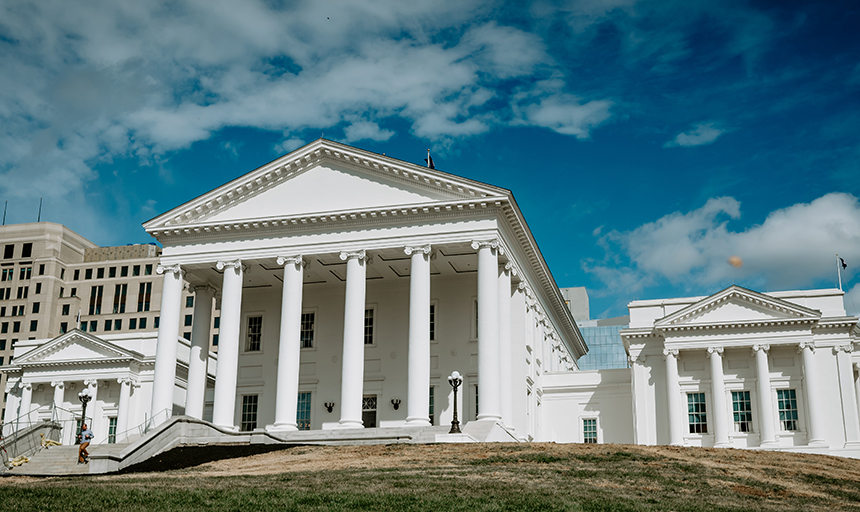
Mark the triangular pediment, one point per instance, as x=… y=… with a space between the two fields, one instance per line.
x=76 y=346
x=737 y=305
x=319 y=178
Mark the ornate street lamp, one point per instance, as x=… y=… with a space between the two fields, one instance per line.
x=85 y=397
x=455 y=380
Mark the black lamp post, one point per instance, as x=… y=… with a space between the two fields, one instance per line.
x=85 y=397
x=455 y=380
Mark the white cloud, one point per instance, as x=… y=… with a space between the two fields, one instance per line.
x=700 y=135
x=366 y=130
x=546 y=105
x=288 y=145
x=852 y=301
x=794 y=247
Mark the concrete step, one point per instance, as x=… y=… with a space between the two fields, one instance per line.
x=61 y=460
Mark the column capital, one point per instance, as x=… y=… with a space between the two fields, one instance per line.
x=806 y=344
x=10 y=386
x=510 y=267
x=27 y=386
x=764 y=347
x=203 y=288
x=237 y=264
x=175 y=269
x=293 y=260
x=637 y=359
x=715 y=350
x=668 y=351
x=131 y=381
x=409 y=249
x=360 y=255
x=58 y=384
x=91 y=382
x=493 y=244
x=844 y=347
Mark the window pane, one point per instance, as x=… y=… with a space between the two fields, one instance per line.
x=696 y=413
x=787 y=403
x=742 y=411
x=303 y=411
x=589 y=431
x=307 y=332
x=249 y=412
x=368 y=326
x=255 y=333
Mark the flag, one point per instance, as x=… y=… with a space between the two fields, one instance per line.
x=78 y=320
x=844 y=265
x=429 y=160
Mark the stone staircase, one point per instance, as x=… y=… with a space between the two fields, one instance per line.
x=61 y=460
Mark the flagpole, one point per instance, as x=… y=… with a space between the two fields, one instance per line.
x=839 y=271
x=428 y=157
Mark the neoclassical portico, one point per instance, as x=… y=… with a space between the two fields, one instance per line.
x=392 y=255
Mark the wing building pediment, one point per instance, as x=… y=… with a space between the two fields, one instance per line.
x=75 y=346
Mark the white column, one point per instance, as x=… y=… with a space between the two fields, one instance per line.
x=164 y=379
x=849 y=400
x=718 y=394
x=418 y=387
x=813 y=394
x=12 y=403
x=59 y=400
x=857 y=385
x=352 y=376
x=26 y=403
x=199 y=356
x=489 y=396
x=289 y=345
x=505 y=349
x=122 y=409
x=94 y=410
x=673 y=397
x=223 y=411
x=766 y=411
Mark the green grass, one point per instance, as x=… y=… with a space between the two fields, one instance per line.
x=495 y=478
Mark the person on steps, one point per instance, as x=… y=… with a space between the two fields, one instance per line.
x=85 y=437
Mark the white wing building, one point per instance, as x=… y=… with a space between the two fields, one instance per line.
x=351 y=285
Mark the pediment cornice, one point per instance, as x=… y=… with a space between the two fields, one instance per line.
x=786 y=313
x=108 y=351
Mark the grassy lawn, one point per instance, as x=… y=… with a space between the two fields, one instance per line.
x=464 y=477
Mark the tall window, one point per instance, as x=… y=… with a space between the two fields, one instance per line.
x=88 y=273
x=96 y=293
x=142 y=323
x=94 y=325
x=189 y=319
x=26 y=273
x=27 y=250
x=112 y=272
x=64 y=327
x=132 y=323
x=36 y=307
x=255 y=334
x=123 y=272
x=787 y=401
x=589 y=430
x=696 y=413
x=368 y=411
x=189 y=301
x=742 y=410
x=111 y=430
x=368 y=326
x=119 y=295
x=100 y=273
x=303 y=411
x=7 y=274
x=249 y=413
x=432 y=411
x=307 y=333
x=8 y=251
x=432 y=322
x=135 y=270
x=144 y=296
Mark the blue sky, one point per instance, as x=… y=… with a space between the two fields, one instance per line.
x=646 y=142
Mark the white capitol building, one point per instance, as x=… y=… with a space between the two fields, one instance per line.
x=349 y=285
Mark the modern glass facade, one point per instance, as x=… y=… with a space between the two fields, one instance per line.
x=605 y=348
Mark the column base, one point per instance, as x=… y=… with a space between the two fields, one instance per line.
x=490 y=417
x=418 y=422
x=818 y=443
x=723 y=445
x=769 y=444
x=345 y=424
x=852 y=445
x=231 y=428
x=282 y=427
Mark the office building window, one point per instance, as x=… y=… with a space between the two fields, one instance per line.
x=96 y=293
x=303 y=411
x=23 y=292
x=74 y=292
x=742 y=411
x=187 y=335
x=84 y=326
x=307 y=332
x=100 y=273
x=27 y=250
x=26 y=273
x=93 y=325
x=696 y=413
x=249 y=413
x=4 y=327
x=3 y=311
x=8 y=251
x=111 y=430
x=189 y=301
x=88 y=273
x=188 y=320
x=64 y=327
x=147 y=270
x=117 y=324
x=787 y=406
x=2 y=344
x=38 y=288
x=112 y=272
x=123 y=272
x=135 y=270
x=368 y=326
x=132 y=323
x=16 y=326
x=120 y=293
x=142 y=323
x=217 y=322
x=61 y=291
x=214 y=340
x=108 y=325
x=41 y=269
x=6 y=274
x=8 y=293
x=62 y=273
x=144 y=297
x=156 y=322
x=255 y=334
x=589 y=430
x=77 y=274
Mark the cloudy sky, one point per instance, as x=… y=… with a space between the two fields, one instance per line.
x=646 y=142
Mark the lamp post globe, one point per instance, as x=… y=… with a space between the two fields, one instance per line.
x=85 y=397
x=455 y=380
